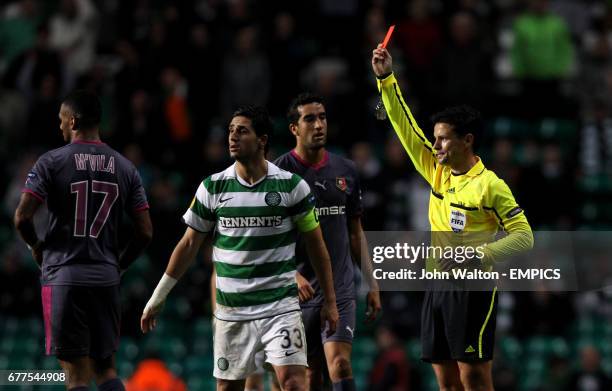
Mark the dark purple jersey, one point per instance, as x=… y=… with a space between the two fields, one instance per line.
x=335 y=184
x=87 y=187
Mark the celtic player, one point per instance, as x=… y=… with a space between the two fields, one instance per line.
x=255 y=210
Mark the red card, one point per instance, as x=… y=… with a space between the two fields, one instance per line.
x=388 y=36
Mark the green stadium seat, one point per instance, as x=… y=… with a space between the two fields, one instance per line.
x=413 y=349
x=511 y=128
x=169 y=326
x=202 y=327
x=606 y=365
x=535 y=366
x=125 y=369
x=559 y=347
x=21 y=361
x=363 y=363
x=538 y=346
x=176 y=367
x=198 y=365
x=511 y=348
x=49 y=362
x=7 y=344
x=561 y=130
x=172 y=348
x=197 y=382
x=431 y=382
x=361 y=380
x=202 y=345
x=128 y=349
x=364 y=346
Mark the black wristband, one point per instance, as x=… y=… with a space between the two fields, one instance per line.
x=382 y=77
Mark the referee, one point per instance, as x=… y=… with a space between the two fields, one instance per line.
x=457 y=326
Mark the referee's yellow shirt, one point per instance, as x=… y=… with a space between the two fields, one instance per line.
x=477 y=201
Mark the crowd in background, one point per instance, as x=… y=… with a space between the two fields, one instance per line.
x=170 y=73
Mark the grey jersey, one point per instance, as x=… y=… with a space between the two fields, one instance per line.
x=87 y=187
x=335 y=184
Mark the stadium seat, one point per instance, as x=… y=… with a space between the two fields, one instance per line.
x=511 y=127
x=202 y=345
x=172 y=348
x=511 y=349
x=198 y=365
x=128 y=349
x=125 y=369
x=364 y=346
x=175 y=366
x=362 y=363
x=49 y=362
x=561 y=130
x=413 y=349
x=202 y=327
x=537 y=346
x=27 y=346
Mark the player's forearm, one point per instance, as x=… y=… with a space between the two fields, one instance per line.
x=24 y=219
x=25 y=228
x=183 y=255
x=518 y=240
x=413 y=139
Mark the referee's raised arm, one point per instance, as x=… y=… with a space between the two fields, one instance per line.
x=411 y=136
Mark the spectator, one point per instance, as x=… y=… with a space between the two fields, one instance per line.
x=590 y=376
x=391 y=370
x=246 y=73
x=542 y=56
x=73 y=33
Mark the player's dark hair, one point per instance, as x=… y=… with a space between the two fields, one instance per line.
x=293 y=115
x=86 y=108
x=464 y=119
x=260 y=120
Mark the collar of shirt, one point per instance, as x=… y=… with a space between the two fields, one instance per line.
x=476 y=170
x=272 y=171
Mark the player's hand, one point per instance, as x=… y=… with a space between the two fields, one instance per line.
x=329 y=314
x=373 y=305
x=305 y=291
x=148 y=320
x=382 y=63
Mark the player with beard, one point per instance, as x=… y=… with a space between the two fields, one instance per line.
x=335 y=183
x=254 y=209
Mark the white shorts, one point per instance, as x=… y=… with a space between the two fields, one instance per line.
x=236 y=344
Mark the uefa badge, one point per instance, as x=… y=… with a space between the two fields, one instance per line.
x=341 y=183
x=457 y=220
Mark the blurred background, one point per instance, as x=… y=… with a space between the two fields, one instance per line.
x=169 y=74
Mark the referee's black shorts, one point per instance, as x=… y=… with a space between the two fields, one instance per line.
x=81 y=320
x=458 y=325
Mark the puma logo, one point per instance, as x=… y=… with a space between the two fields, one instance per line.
x=322 y=185
x=350 y=331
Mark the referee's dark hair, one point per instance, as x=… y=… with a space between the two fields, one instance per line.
x=86 y=109
x=293 y=115
x=260 y=120
x=464 y=119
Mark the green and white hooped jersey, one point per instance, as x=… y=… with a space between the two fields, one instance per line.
x=255 y=228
